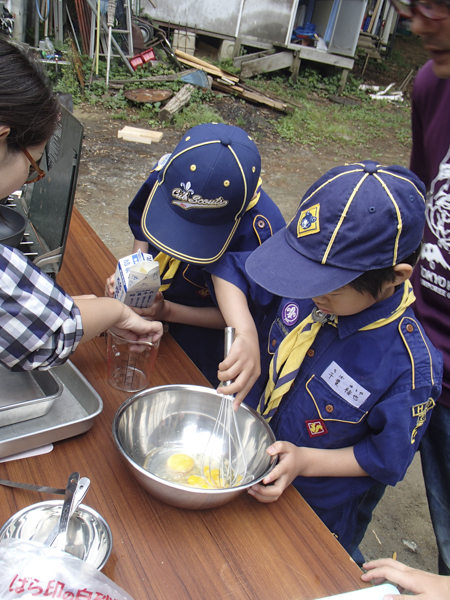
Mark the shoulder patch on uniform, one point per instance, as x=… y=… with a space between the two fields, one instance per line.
x=290 y=313
x=161 y=163
x=420 y=411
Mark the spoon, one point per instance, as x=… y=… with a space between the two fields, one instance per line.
x=58 y=537
x=75 y=491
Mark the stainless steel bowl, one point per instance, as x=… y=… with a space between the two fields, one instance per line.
x=89 y=537
x=161 y=421
x=12 y=226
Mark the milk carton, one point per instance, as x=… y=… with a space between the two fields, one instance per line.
x=137 y=281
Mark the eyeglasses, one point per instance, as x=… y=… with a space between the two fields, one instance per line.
x=35 y=173
x=436 y=11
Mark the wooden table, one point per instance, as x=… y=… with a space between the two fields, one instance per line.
x=243 y=550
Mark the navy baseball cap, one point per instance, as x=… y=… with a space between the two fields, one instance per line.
x=354 y=219
x=202 y=192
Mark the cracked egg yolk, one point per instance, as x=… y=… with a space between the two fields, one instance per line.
x=180 y=463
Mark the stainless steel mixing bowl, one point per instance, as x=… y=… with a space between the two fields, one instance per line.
x=161 y=421
x=89 y=537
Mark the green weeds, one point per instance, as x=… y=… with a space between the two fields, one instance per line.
x=318 y=123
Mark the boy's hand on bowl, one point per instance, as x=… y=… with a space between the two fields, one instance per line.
x=281 y=476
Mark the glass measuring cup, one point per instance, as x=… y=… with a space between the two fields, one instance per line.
x=130 y=363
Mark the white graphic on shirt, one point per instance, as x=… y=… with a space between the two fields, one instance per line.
x=344 y=385
x=438 y=211
x=438 y=219
x=432 y=253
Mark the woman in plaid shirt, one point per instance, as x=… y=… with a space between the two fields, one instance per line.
x=41 y=325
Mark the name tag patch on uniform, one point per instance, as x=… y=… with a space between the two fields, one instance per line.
x=344 y=385
x=316 y=428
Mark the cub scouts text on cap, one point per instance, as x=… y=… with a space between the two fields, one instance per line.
x=202 y=193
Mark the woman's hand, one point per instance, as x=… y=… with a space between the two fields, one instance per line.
x=134 y=327
x=100 y=314
x=282 y=475
x=425 y=586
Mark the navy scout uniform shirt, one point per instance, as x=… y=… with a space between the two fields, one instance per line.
x=368 y=389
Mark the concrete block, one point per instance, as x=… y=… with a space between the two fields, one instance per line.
x=226 y=49
x=185 y=41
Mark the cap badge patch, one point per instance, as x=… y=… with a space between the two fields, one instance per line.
x=290 y=313
x=316 y=427
x=308 y=221
x=186 y=198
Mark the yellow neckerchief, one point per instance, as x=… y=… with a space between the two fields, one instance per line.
x=169 y=266
x=289 y=356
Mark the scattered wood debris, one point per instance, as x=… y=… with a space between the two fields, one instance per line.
x=410 y=544
x=193 y=61
x=176 y=103
x=142 y=136
x=230 y=84
x=240 y=91
x=377 y=538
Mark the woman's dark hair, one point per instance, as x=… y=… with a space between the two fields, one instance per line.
x=373 y=281
x=27 y=104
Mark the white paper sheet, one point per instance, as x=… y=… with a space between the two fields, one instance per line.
x=35 y=452
x=375 y=593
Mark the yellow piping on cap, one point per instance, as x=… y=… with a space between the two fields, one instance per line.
x=243 y=177
x=399 y=218
x=343 y=215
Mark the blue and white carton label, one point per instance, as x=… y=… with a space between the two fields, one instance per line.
x=137 y=280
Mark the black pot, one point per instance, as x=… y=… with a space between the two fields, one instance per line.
x=12 y=226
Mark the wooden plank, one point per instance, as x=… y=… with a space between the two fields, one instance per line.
x=206 y=66
x=143 y=136
x=250 y=95
x=274 y=62
x=237 y=62
x=327 y=58
x=289 y=101
x=375 y=16
x=211 y=69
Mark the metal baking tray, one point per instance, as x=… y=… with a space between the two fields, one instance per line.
x=72 y=414
x=26 y=395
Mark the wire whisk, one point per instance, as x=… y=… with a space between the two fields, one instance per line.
x=223 y=463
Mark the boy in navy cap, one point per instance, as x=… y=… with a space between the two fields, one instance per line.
x=201 y=213
x=350 y=375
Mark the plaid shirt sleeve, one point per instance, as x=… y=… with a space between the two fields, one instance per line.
x=40 y=325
